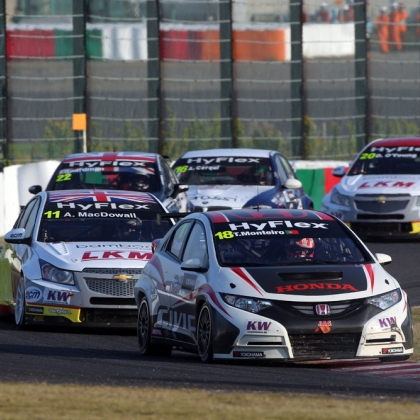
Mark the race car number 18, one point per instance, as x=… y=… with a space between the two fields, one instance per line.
x=226 y=234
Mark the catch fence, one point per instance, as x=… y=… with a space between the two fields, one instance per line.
x=174 y=75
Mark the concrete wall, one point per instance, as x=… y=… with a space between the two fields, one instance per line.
x=14 y=183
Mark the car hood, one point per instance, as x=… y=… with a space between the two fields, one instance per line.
x=234 y=196
x=380 y=184
x=312 y=283
x=77 y=256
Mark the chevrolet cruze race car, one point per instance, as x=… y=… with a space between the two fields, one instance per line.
x=270 y=284
x=73 y=257
x=379 y=196
x=240 y=178
x=133 y=171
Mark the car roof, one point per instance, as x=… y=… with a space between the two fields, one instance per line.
x=240 y=215
x=111 y=156
x=394 y=142
x=229 y=152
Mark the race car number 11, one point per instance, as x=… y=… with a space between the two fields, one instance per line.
x=50 y=214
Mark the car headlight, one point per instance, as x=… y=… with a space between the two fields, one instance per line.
x=246 y=303
x=340 y=199
x=56 y=275
x=385 y=300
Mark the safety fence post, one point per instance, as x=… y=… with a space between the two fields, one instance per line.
x=79 y=68
x=154 y=77
x=297 y=78
x=3 y=84
x=361 y=74
x=226 y=74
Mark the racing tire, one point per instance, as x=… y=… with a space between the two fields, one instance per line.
x=144 y=332
x=20 y=318
x=205 y=334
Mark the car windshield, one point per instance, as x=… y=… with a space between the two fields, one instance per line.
x=102 y=230
x=289 y=247
x=119 y=178
x=378 y=161
x=224 y=171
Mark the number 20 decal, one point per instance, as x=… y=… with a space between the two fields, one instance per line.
x=367 y=156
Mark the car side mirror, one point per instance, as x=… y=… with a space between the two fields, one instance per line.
x=17 y=236
x=339 y=171
x=35 y=189
x=178 y=189
x=155 y=244
x=383 y=259
x=293 y=183
x=194 y=264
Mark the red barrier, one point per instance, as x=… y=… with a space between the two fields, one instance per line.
x=174 y=44
x=21 y=44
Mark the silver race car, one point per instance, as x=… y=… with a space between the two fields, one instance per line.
x=73 y=257
x=379 y=196
x=270 y=284
x=240 y=178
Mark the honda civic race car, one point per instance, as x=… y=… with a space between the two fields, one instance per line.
x=270 y=284
x=240 y=178
x=73 y=257
x=379 y=196
x=133 y=171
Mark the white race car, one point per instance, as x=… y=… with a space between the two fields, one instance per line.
x=240 y=178
x=270 y=284
x=73 y=257
x=379 y=196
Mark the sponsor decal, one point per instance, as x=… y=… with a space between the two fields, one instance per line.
x=255 y=354
x=387 y=322
x=57 y=296
x=157 y=331
x=258 y=327
x=315 y=286
x=398 y=149
x=189 y=281
x=73 y=314
x=145 y=247
x=33 y=294
x=212 y=160
x=393 y=350
x=386 y=184
x=176 y=319
x=34 y=310
x=324 y=327
x=16 y=235
x=116 y=255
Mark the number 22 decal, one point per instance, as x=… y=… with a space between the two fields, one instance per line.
x=63 y=177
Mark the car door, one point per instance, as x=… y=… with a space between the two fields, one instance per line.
x=170 y=260
x=189 y=280
x=17 y=254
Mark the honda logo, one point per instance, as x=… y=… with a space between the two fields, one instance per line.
x=322 y=309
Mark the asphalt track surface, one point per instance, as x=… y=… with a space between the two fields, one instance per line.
x=98 y=357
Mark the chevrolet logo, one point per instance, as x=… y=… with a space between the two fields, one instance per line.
x=382 y=199
x=122 y=277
